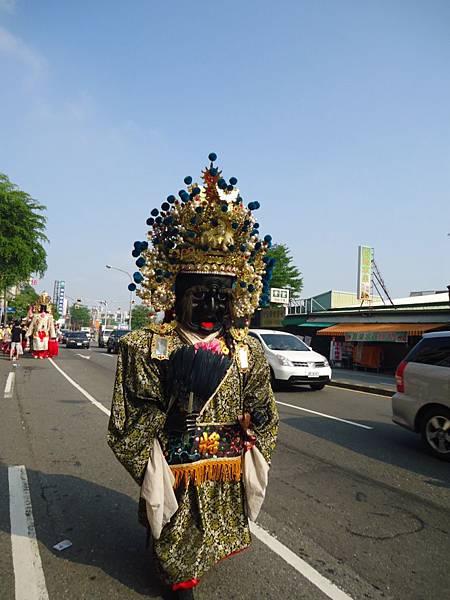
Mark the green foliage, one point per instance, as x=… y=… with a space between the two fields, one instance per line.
x=139 y=316
x=285 y=274
x=22 y=302
x=22 y=232
x=80 y=316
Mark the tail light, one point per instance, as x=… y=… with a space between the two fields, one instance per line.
x=399 y=376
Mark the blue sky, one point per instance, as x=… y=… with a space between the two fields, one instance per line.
x=335 y=116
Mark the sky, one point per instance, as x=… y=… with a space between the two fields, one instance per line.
x=335 y=116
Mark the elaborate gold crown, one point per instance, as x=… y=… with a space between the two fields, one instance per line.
x=45 y=299
x=206 y=230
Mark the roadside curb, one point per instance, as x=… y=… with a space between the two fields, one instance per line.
x=362 y=388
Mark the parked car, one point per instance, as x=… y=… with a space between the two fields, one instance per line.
x=77 y=339
x=291 y=360
x=103 y=336
x=422 y=401
x=112 y=344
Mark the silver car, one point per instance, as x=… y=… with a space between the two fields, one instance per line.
x=422 y=401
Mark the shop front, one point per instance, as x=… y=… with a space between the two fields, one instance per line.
x=374 y=346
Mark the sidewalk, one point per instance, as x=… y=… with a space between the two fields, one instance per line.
x=366 y=382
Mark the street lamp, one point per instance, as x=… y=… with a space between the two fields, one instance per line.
x=131 y=293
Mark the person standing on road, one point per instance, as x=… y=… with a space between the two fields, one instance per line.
x=193 y=415
x=16 y=349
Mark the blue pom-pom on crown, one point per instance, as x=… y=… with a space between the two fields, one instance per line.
x=131 y=287
x=212 y=156
x=188 y=180
x=138 y=277
x=140 y=262
x=233 y=180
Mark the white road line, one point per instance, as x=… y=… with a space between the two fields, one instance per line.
x=80 y=389
x=321 y=582
x=28 y=573
x=314 y=412
x=106 y=354
x=9 y=387
x=84 y=356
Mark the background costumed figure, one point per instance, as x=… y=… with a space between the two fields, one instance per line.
x=193 y=417
x=42 y=327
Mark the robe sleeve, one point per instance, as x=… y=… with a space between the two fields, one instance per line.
x=259 y=400
x=138 y=408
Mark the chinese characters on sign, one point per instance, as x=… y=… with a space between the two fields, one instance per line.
x=365 y=255
x=377 y=336
x=279 y=295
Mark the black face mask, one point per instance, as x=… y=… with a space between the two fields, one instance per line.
x=204 y=302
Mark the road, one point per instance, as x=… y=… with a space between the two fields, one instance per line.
x=353 y=504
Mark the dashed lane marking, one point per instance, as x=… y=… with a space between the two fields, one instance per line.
x=80 y=389
x=28 y=574
x=9 y=387
x=84 y=356
x=314 y=412
x=321 y=582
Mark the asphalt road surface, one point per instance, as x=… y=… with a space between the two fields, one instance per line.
x=355 y=508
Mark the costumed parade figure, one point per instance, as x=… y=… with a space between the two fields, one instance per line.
x=42 y=328
x=193 y=417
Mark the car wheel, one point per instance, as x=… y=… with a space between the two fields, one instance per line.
x=316 y=386
x=435 y=432
x=273 y=382
x=108 y=350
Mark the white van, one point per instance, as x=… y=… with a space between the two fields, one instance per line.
x=291 y=360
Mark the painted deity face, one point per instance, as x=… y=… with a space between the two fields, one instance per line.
x=204 y=303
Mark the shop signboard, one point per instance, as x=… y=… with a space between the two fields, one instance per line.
x=377 y=336
x=279 y=295
x=365 y=256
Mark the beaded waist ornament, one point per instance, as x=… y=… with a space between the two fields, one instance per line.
x=213 y=451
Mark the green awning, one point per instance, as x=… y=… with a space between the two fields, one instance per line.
x=302 y=322
x=312 y=324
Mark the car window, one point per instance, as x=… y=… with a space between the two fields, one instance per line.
x=284 y=342
x=77 y=334
x=432 y=351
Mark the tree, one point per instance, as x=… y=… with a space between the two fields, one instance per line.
x=285 y=274
x=80 y=316
x=22 y=233
x=140 y=315
x=22 y=302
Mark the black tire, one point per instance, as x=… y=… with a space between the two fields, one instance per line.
x=275 y=383
x=435 y=432
x=317 y=386
x=108 y=350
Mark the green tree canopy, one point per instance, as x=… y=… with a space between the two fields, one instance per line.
x=140 y=316
x=285 y=274
x=22 y=302
x=22 y=233
x=80 y=316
